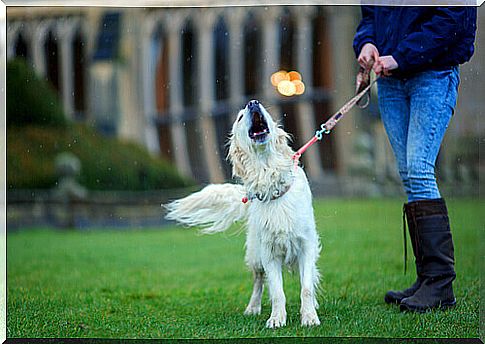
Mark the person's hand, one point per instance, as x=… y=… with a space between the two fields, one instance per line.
x=385 y=65
x=368 y=56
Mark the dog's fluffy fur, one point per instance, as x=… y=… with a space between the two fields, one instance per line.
x=279 y=216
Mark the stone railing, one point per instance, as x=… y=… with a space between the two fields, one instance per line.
x=130 y=209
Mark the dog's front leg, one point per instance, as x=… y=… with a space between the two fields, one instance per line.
x=308 y=279
x=278 y=300
x=254 y=306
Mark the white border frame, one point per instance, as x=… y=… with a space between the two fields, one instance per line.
x=3 y=171
x=143 y=3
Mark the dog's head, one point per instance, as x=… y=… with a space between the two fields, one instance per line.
x=254 y=133
x=253 y=126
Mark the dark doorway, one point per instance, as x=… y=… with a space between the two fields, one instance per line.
x=322 y=84
x=21 y=47
x=190 y=93
x=288 y=63
x=51 y=48
x=160 y=53
x=79 y=75
x=252 y=55
x=222 y=111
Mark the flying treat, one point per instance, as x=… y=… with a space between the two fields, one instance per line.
x=286 y=88
x=299 y=87
x=294 y=75
x=277 y=77
x=288 y=83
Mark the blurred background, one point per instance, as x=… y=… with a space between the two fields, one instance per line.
x=112 y=111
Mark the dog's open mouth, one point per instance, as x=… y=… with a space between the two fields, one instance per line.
x=259 y=130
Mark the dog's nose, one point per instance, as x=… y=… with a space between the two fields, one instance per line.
x=253 y=105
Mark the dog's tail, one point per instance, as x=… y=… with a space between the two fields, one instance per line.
x=215 y=208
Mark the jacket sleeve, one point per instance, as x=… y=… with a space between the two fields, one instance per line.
x=442 y=30
x=365 y=31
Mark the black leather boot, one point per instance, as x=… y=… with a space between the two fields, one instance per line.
x=436 y=258
x=394 y=296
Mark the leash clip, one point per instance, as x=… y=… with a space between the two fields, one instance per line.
x=323 y=130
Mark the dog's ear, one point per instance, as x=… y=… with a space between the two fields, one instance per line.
x=237 y=157
x=281 y=142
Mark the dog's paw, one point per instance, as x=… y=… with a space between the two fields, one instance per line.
x=252 y=310
x=276 y=321
x=310 y=319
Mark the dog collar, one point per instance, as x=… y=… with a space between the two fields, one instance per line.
x=279 y=193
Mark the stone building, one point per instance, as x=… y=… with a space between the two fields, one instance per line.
x=173 y=79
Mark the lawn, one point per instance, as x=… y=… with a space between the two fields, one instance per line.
x=175 y=283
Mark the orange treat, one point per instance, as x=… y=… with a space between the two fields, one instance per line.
x=286 y=88
x=277 y=77
x=294 y=75
x=299 y=87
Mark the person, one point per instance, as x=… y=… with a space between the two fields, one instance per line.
x=416 y=52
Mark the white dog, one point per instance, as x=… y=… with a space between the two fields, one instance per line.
x=276 y=202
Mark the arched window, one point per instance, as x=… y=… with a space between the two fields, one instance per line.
x=322 y=83
x=252 y=55
x=190 y=97
x=159 y=54
x=51 y=49
x=288 y=62
x=159 y=58
x=222 y=111
x=21 y=48
x=287 y=41
x=189 y=64
x=79 y=75
x=221 y=42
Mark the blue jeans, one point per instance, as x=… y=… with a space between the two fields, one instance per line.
x=416 y=112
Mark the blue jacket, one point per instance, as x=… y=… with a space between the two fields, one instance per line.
x=419 y=38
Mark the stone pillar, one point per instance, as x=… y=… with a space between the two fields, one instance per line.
x=13 y=31
x=66 y=28
x=148 y=72
x=236 y=73
x=179 y=142
x=206 y=84
x=305 y=117
x=38 y=56
x=133 y=122
x=342 y=27
x=271 y=56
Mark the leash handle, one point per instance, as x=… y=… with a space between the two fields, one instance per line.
x=362 y=80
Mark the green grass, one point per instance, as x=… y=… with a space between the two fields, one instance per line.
x=178 y=284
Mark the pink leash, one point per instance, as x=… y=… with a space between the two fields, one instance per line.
x=326 y=127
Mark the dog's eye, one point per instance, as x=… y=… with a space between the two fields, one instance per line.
x=240 y=118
